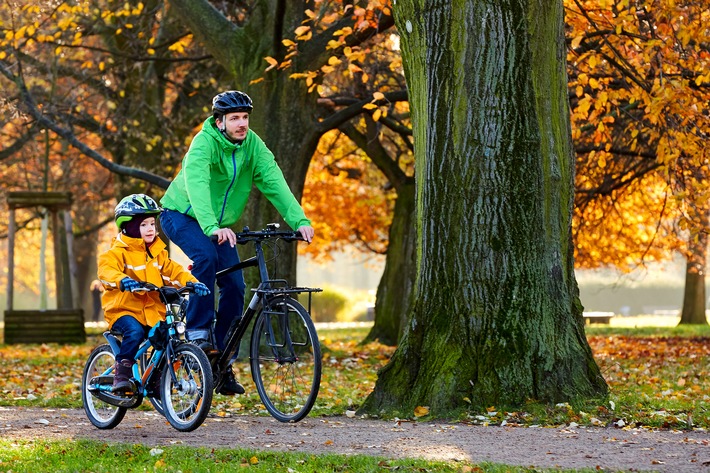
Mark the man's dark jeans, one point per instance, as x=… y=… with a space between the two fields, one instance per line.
x=207 y=257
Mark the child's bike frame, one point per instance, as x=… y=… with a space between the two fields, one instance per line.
x=176 y=376
x=284 y=353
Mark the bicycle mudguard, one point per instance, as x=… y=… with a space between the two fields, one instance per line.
x=113 y=341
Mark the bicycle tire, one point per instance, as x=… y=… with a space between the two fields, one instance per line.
x=287 y=382
x=187 y=402
x=100 y=413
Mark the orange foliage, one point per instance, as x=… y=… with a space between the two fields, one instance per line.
x=86 y=64
x=344 y=196
x=640 y=96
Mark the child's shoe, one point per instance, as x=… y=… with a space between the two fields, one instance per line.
x=122 y=373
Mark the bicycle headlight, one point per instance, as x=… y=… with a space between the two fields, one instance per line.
x=180 y=328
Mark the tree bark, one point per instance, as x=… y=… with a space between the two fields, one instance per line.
x=395 y=288
x=495 y=317
x=694 y=295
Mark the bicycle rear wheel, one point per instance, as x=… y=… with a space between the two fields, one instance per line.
x=100 y=413
x=285 y=359
x=187 y=402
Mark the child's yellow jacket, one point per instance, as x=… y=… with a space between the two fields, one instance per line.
x=128 y=257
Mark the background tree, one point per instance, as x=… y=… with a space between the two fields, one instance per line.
x=118 y=82
x=303 y=42
x=496 y=318
x=383 y=134
x=639 y=94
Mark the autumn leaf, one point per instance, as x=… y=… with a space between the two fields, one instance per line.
x=421 y=411
x=272 y=63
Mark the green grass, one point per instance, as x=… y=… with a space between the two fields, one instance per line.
x=98 y=457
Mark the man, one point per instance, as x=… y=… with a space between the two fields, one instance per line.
x=208 y=196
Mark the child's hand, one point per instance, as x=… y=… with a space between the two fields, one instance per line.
x=128 y=284
x=200 y=289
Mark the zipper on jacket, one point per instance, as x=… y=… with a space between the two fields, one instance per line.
x=234 y=177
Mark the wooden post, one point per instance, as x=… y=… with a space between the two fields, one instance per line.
x=66 y=323
x=12 y=227
x=61 y=261
x=73 y=269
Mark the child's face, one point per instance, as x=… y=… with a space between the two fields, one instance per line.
x=148 y=231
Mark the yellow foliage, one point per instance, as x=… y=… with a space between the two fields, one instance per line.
x=636 y=102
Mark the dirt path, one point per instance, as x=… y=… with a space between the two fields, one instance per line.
x=611 y=449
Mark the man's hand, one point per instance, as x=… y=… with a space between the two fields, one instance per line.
x=307 y=233
x=225 y=234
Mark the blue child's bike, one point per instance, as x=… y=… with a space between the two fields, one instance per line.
x=174 y=375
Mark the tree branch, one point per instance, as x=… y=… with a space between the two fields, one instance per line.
x=18 y=144
x=204 y=20
x=378 y=154
x=44 y=122
x=339 y=118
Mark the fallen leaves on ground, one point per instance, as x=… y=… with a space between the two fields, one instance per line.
x=654 y=380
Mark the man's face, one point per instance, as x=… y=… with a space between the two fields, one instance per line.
x=235 y=125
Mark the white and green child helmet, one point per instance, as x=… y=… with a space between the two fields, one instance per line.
x=132 y=205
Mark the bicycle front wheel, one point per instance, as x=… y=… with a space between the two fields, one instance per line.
x=100 y=413
x=285 y=359
x=187 y=400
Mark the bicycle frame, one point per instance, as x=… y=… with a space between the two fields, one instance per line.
x=261 y=293
x=237 y=330
x=152 y=366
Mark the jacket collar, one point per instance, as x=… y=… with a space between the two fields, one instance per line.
x=125 y=241
x=210 y=127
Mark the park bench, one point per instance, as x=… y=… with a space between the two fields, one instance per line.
x=597 y=317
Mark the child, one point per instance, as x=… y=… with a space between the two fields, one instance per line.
x=136 y=254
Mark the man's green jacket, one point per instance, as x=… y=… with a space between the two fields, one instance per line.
x=217 y=175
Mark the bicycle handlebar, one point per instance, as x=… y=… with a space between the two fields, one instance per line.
x=246 y=235
x=269 y=233
x=150 y=287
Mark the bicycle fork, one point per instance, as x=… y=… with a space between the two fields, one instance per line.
x=283 y=329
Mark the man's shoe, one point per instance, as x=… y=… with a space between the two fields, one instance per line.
x=231 y=386
x=204 y=344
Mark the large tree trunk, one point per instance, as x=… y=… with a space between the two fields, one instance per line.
x=495 y=318
x=395 y=288
x=694 y=295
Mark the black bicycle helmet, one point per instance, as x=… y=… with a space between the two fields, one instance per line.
x=231 y=101
x=132 y=205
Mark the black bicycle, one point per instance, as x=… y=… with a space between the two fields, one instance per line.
x=174 y=375
x=284 y=352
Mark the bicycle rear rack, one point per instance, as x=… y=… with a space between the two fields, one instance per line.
x=277 y=287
